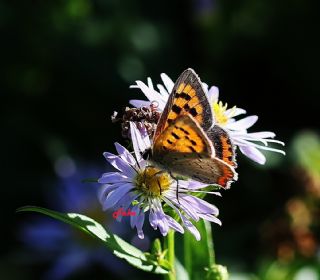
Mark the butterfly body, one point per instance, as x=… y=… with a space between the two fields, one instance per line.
x=187 y=142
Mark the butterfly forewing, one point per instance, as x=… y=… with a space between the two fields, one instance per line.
x=184 y=136
x=186 y=140
x=187 y=97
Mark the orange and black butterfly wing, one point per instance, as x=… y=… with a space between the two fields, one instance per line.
x=187 y=97
x=184 y=148
x=223 y=146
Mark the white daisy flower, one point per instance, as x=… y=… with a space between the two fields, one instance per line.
x=146 y=189
x=249 y=143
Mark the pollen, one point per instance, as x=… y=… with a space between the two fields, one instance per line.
x=220 y=114
x=153 y=181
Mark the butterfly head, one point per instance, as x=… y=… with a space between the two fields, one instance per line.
x=147 y=154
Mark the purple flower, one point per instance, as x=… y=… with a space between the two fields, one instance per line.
x=147 y=189
x=66 y=250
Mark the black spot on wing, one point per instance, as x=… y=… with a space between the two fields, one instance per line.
x=192 y=149
x=193 y=112
x=184 y=96
x=186 y=107
x=194 y=143
x=176 y=109
x=175 y=135
x=184 y=131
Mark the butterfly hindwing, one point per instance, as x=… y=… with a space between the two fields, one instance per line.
x=187 y=97
x=223 y=146
x=207 y=170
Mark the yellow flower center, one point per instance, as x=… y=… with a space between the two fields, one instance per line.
x=153 y=181
x=220 y=112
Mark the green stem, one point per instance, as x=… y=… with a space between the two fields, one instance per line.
x=210 y=245
x=187 y=253
x=169 y=245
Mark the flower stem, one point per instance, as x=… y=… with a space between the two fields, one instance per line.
x=210 y=245
x=187 y=253
x=169 y=245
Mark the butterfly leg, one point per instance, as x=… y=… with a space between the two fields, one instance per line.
x=159 y=185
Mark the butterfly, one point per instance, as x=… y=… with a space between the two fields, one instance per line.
x=187 y=141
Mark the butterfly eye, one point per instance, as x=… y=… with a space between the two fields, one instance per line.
x=147 y=154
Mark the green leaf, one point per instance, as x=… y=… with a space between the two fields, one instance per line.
x=181 y=272
x=118 y=246
x=157 y=256
x=197 y=255
x=156 y=247
x=217 y=272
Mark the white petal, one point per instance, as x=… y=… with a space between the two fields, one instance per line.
x=124 y=154
x=191 y=228
x=201 y=205
x=185 y=221
x=134 y=218
x=174 y=224
x=104 y=190
x=263 y=134
x=150 y=84
x=125 y=201
x=253 y=153
x=186 y=207
x=163 y=91
x=113 y=177
x=114 y=196
x=139 y=103
x=251 y=144
x=191 y=184
x=140 y=142
x=120 y=164
x=242 y=137
x=151 y=94
x=213 y=94
x=139 y=224
x=135 y=141
x=235 y=112
x=211 y=218
x=168 y=83
x=243 y=123
x=205 y=87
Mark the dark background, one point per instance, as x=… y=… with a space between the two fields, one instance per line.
x=67 y=65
